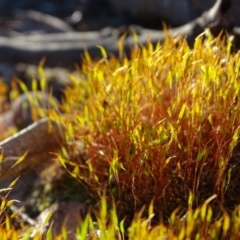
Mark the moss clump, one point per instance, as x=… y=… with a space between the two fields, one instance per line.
x=161 y=125
x=159 y=130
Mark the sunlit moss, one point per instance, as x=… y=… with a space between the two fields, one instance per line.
x=159 y=130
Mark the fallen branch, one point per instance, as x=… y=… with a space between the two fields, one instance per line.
x=66 y=49
x=33 y=144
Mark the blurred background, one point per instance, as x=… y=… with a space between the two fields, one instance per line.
x=88 y=15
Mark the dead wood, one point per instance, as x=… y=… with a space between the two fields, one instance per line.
x=34 y=143
x=30 y=20
x=67 y=49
